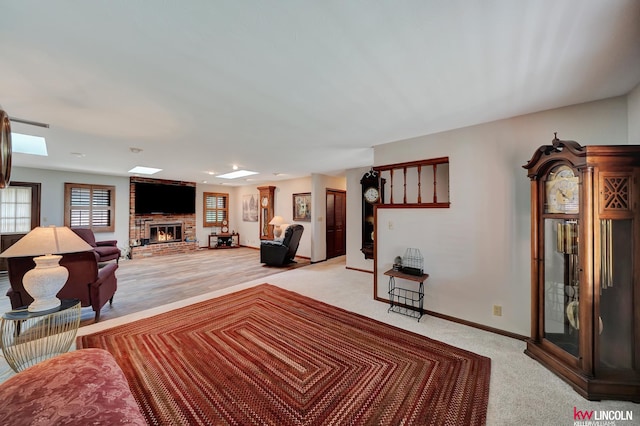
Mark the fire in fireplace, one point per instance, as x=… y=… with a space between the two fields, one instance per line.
x=165 y=232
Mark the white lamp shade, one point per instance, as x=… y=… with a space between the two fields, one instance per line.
x=277 y=221
x=47 y=240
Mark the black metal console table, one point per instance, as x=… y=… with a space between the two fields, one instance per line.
x=405 y=301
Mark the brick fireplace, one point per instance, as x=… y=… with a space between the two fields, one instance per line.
x=158 y=234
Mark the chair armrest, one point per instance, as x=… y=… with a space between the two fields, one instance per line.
x=107 y=243
x=104 y=273
x=271 y=243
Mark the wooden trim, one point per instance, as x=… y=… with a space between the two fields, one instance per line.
x=69 y=186
x=415 y=206
x=358 y=269
x=587 y=293
x=205 y=195
x=468 y=323
x=418 y=165
x=429 y=162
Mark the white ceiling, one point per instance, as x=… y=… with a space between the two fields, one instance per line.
x=289 y=86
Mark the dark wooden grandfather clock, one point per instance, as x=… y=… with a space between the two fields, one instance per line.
x=372 y=194
x=585 y=266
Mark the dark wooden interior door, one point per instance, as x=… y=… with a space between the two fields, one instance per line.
x=336 y=223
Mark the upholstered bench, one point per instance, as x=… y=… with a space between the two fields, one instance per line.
x=83 y=387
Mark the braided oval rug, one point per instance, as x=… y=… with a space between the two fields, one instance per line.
x=268 y=356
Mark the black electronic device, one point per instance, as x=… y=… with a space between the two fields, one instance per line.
x=156 y=198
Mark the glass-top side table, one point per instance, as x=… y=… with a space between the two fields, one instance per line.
x=28 y=338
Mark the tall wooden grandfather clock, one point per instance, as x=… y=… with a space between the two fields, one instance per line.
x=585 y=266
x=372 y=194
x=266 y=211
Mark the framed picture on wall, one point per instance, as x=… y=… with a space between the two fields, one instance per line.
x=302 y=207
x=250 y=208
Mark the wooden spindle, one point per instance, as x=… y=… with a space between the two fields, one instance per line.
x=404 y=197
x=391 y=179
x=419 y=184
x=435 y=194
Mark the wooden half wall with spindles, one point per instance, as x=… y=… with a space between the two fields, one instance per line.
x=423 y=183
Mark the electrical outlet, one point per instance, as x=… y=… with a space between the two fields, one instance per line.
x=390 y=225
x=497 y=310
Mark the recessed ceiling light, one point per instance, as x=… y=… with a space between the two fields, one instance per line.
x=234 y=167
x=79 y=154
x=211 y=173
x=28 y=144
x=135 y=150
x=144 y=170
x=237 y=174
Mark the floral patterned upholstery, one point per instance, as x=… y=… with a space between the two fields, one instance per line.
x=83 y=387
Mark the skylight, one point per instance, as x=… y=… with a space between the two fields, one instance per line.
x=237 y=174
x=28 y=144
x=144 y=170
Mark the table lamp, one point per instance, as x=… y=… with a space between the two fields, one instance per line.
x=277 y=222
x=48 y=277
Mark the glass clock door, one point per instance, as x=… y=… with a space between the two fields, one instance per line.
x=561 y=284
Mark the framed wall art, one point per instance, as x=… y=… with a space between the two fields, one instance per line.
x=250 y=208
x=302 y=207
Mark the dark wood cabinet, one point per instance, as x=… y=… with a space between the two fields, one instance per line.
x=585 y=266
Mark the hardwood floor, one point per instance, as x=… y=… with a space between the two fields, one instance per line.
x=153 y=281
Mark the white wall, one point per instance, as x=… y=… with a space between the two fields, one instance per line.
x=477 y=252
x=633 y=106
x=52 y=197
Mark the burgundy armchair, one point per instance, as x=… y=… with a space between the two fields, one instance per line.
x=93 y=286
x=106 y=250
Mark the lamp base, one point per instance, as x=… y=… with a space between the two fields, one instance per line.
x=44 y=282
x=277 y=231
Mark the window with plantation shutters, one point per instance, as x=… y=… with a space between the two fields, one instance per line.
x=90 y=206
x=216 y=208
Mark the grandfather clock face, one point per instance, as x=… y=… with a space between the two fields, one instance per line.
x=562 y=191
x=266 y=211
